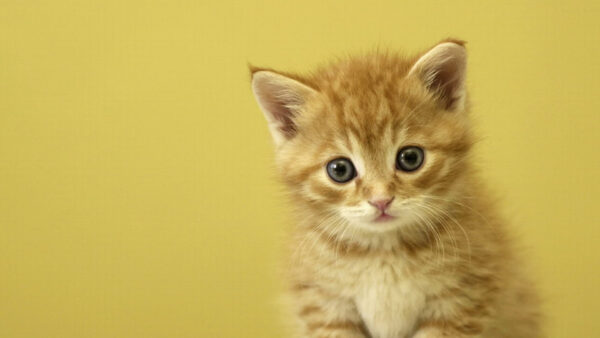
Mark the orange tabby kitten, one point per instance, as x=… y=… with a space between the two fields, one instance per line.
x=395 y=234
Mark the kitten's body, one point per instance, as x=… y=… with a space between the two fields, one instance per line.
x=443 y=266
x=396 y=285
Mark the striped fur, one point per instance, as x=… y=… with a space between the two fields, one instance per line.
x=445 y=266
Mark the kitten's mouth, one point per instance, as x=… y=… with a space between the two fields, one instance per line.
x=384 y=218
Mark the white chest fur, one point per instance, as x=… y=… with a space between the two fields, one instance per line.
x=389 y=300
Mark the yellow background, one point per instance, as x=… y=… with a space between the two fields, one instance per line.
x=136 y=192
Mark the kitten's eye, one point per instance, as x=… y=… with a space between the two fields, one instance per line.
x=410 y=158
x=341 y=170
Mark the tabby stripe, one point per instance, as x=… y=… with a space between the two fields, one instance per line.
x=329 y=194
x=426 y=178
x=309 y=309
x=470 y=328
x=340 y=325
x=342 y=246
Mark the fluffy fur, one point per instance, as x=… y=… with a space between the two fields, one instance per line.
x=444 y=266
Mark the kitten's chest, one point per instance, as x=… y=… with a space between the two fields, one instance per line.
x=389 y=299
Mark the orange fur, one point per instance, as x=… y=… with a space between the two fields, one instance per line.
x=445 y=266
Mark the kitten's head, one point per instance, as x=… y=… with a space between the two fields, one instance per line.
x=375 y=141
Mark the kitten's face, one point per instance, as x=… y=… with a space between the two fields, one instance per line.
x=376 y=166
x=372 y=146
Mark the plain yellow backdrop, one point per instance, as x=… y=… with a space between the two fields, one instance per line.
x=136 y=192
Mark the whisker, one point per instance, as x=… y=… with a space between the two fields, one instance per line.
x=300 y=249
x=438 y=242
x=432 y=211
x=455 y=221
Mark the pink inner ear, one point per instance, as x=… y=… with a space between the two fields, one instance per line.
x=442 y=70
x=279 y=98
x=446 y=82
x=283 y=114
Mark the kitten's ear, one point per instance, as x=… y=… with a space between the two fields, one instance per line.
x=281 y=99
x=442 y=70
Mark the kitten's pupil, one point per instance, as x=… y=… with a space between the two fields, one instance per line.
x=340 y=169
x=410 y=157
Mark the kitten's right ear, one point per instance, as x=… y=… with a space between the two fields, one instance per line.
x=442 y=70
x=281 y=99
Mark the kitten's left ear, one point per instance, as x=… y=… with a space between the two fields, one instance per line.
x=281 y=99
x=442 y=70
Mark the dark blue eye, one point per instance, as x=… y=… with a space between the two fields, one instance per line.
x=341 y=170
x=410 y=158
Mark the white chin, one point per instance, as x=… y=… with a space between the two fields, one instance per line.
x=374 y=225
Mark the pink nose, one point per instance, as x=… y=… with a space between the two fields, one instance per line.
x=381 y=204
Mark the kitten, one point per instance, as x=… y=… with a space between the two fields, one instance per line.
x=395 y=234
